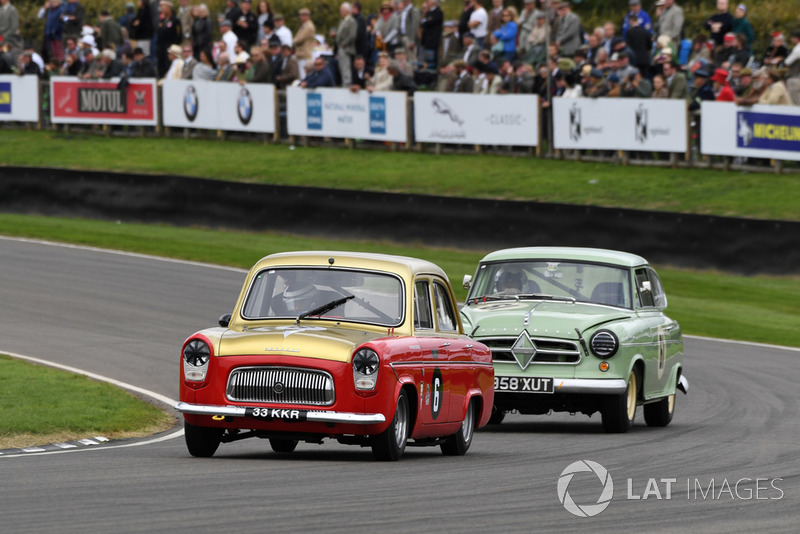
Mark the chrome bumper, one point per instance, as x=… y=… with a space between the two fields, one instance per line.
x=313 y=416
x=590 y=385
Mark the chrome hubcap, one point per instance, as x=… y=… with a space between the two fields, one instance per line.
x=468 y=424
x=400 y=424
x=632 y=396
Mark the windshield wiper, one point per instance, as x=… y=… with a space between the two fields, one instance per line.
x=325 y=308
x=545 y=297
x=486 y=298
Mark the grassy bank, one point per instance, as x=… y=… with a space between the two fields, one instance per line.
x=702 y=191
x=761 y=309
x=43 y=405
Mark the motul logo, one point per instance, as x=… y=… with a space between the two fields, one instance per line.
x=101 y=101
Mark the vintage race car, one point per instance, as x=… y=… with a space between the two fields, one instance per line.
x=367 y=349
x=576 y=330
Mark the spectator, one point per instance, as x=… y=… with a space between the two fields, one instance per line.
x=506 y=35
x=776 y=52
x=260 y=70
x=126 y=20
x=775 y=92
x=721 y=87
x=742 y=25
x=189 y=62
x=463 y=21
x=622 y=67
x=228 y=37
x=537 y=41
x=471 y=49
x=792 y=62
x=409 y=28
x=720 y=23
x=142 y=29
x=464 y=82
x=175 y=70
x=73 y=18
x=110 y=66
x=643 y=19
x=491 y=81
x=402 y=62
x=9 y=23
x=570 y=88
x=743 y=83
x=568 y=35
x=288 y=71
x=26 y=64
x=381 y=80
x=609 y=34
x=225 y=69
x=447 y=79
x=597 y=85
x=346 y=43
x=283 y=33
x=738 y=53
x=660 y=89
x=670 y=20
x=201 y=31
x=232 y=12
x=109 y=32
x=169 y=32
x=387 y=29
x=53 y=45
x=361 y=31
x=700 y=50
x=478 y=23
x=400 y=80
x=72 y=66
x=89 y=65
x=675 y=80
x=71 y=47
x=264 y=17
x=141 y=66
x=495 y=17
x=87 y=44
x=205 y=68
x=246 y=26
x=304 y=41
x=240 y=67
x=186 y=16
x=701 y=90
x=527 y=22
x=450 y=46
x=431 y=25
x=640 y=42
x=321 y=76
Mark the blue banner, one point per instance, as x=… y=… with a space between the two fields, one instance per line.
x=5 y=97
x=767 y=131
x=314 y=111
x=377 y=115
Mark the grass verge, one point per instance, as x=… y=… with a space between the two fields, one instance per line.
x=762 y=309
x=687 y=190
x=43 y=405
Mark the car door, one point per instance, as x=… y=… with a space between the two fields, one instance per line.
x=433 y=385
x=660 y=331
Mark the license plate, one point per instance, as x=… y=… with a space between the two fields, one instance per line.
x=276 y=414
x=523 y=384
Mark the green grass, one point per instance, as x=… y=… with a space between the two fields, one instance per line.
x=760 y=308
x=43 y=405
x=692 y=190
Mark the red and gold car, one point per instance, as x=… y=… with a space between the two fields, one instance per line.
x=367 y=349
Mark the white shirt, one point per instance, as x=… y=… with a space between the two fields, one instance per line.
x=793 y=56
x=230 y=41
x=482 y=17
x=284 y=34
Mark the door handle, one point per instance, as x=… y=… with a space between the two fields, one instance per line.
x=445 y=344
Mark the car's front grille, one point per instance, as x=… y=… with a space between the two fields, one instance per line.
x=547 y=350
x=284 y=385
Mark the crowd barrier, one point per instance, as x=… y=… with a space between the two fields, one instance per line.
x=621 y=125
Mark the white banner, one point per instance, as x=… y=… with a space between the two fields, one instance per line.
x=760 y=131
x=341 y=113
x=620 y=124
x=19 y=98
x=508 y=120
x=211 y=105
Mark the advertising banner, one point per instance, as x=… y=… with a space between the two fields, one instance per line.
x=506 y=120
x=19 y=98
x=218 y=105
x=634 y=124
x=341 y=113
x=760 y=131
x=75 y=101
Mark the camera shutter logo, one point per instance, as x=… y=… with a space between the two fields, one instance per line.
x=585 y=510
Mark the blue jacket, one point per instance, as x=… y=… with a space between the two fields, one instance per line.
x=507 y=34
x=320 y=78
x=644 y=21
x=54 y=22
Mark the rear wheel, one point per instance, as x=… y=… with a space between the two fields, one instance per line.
x=497 y=416
x=660 y=413
x=619 y=410
x=458 y=444
x=390 y=444
x=282 y=445
x=202 y=441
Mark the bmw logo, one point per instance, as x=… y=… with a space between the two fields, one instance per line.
x=278 y=388
x=190 y=103
x=244 y=106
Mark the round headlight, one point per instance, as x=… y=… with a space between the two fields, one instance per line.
x=604 y=344
x=366 y=362
x=196 y=353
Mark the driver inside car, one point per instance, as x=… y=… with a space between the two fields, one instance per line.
x=509 y=283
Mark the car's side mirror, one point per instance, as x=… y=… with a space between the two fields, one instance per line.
x=225 y=320
x=467 y=282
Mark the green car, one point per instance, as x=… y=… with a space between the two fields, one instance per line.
x=576 y=330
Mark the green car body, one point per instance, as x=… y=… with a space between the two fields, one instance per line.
x=576 y=330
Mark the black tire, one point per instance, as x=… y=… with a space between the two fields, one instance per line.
x=458 y=444
x=202 y=441
x=497 y=416
x=660 y=413
x=281 y=445
x=620 y=410
x=389 y=445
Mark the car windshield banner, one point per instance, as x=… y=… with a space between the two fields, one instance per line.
x=103 y=102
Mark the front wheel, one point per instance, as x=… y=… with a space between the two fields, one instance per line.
x=619 y=410
x=283 y=445
x=660 y=413
x=202 y=441
x=458 y=444
x=390 y=444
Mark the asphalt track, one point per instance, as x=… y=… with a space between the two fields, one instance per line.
x=125 y=316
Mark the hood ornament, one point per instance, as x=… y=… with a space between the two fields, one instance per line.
x=523 y=350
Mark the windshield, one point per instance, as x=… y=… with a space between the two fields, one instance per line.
x=584 y=282
x=363 y=296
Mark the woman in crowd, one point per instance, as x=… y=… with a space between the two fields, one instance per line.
x=142 y=27
x=382 y=79
x=201 y=30
x=264 y=14
x=660 y=89
x=205 y=69
x=506 y=36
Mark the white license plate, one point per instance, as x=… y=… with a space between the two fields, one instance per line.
x=523 y=384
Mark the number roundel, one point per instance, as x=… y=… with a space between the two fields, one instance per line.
x=437 y=385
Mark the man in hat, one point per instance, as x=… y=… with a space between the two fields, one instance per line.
x=289 y=70
x=464 y=82
x=87 y=43
x=721 y=86
x=400 y=80
x=640 y=15
x=175 y=71
x=346 y=34
x=775 y=92
x=281 y=30
x=526 y=24
x=246 y=26
x=700 y=90
x=109 y=66
x=321 y=76
x=304 y=41
x=744 y=82
x=471 y=49
x=670 y=20
x=140 y=66
x=450 y=44
x=568 y=36
x=169 y=33
x=228 y=36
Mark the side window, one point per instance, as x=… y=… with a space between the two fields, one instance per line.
x=659 y=296
x=644 y=288
x=445 y=317
x=422 y=305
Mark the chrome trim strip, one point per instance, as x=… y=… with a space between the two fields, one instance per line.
x=313 y=416
x=440 y=363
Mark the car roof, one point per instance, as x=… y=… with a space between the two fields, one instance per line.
x=401 y=265
x=598 y=255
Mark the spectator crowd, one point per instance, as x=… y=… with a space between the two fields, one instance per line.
x=543 y=49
